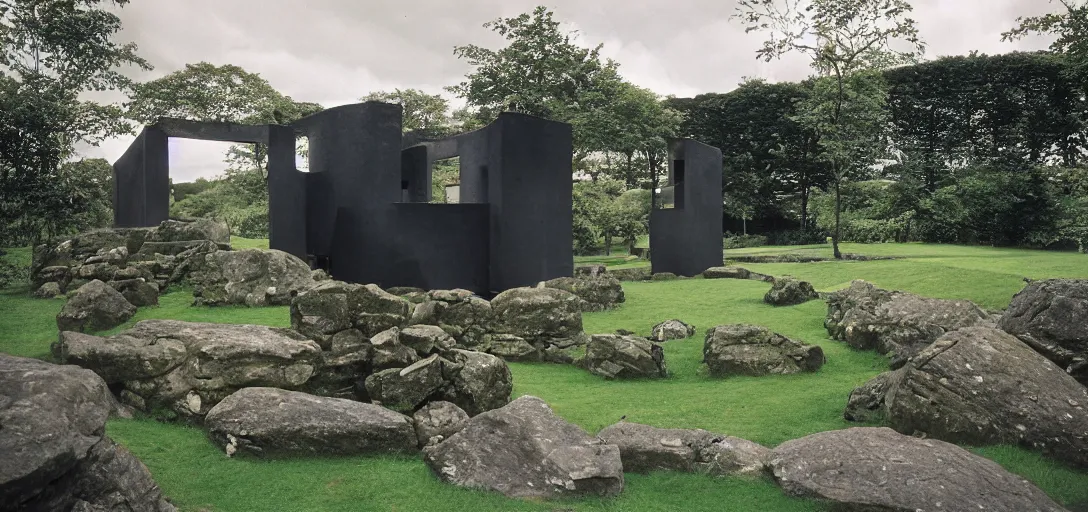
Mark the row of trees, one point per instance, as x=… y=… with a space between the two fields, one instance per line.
x=797 y=152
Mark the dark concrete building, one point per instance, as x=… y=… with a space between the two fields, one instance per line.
x=363 y=210
x=686 y=223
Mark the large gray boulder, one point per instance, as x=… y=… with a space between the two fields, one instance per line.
x=787 y=291
x=981 y=386
x=463 y=315
x=1050 y=317
x=189 y=367
x=624 y=357
x=645 y=449
x=55 y=452
x=863 y=469
x=598 y=293
x=174 y=230
x=253 y=277
x=406 y=389
x=895 y=323
x=727 y=273
x=330 y=307
x=481 y=383
x=95 y=306
x=547 y=318
x=742 y=349
x=672 y=330
x=524 y=450
x=437 y=421
x=138 y=291
x=275 y=422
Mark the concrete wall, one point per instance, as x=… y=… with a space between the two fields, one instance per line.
x=441 y=246
x=286 y=194
x=530 y=190
x=141 y=177
x=687 y=239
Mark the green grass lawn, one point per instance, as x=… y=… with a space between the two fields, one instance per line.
x=769 y=410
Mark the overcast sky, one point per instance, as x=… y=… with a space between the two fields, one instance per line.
x=334 y=51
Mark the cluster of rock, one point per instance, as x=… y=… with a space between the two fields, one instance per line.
x=108 y=273
x=524 y=450
x=672 y=330
x=895 y=323
x=787 y=291
x=596 y=292
x=962 y=377
x=188 y=368
x=743 y=349
x=56 y=455
x=520 y=324
x=157 y=255
x=615 y=356
x=731 y=272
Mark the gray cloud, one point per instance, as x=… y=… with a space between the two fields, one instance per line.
x=334 y=51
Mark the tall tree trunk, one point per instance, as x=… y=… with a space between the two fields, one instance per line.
x=653 y=181
x=804 y=205
x=607 y=244
x=838 y=216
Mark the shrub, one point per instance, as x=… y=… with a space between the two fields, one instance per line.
x=796 y=237
x=732 y=241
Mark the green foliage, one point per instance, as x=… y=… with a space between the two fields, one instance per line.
x=541 y=68
x=425 y=114
x=183 y=190
x=1069 y=25
x=196 y=475
x=604 y=210
x=228 y=94
x=733 y=241
x=52 y=51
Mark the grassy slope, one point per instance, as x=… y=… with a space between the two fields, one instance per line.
x=769 y=409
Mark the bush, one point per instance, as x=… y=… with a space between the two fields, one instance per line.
x=732 y=241
x=13 y=275
x=797 y=237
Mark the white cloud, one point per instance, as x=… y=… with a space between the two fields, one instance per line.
x=335 y=51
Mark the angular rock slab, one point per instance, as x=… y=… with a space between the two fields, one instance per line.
x=598 y=293
x=879 y=469
x=95 y=306
x=523 y=450
x=672 y=330
x=276 y=422
x=897 y=323
x=55 y=453
x=727 y=273
x=1050 y=316
x=742 y=349
x=330 y=307
x=438 y=421
x=645 y=449
x=190 y=366
x=253 y=277
x=625 y=357
x=790 y=292
x=464 y=316
x=983 y=386
x=539 y=316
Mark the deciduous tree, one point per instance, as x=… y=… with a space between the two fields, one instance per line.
x=843 y=38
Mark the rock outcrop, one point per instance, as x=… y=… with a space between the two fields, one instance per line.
x=252 y=277
x=523 y=450
x=983 y=386
x=56 y=455
x=646 y=449
x=95 y=306
x=879 y=469
x=463 y=315
x=787 y=291
x=895 y=323
x=438 y=421
x=274 y=422
x=598 y=293
x=158 y=255
x=1050 y=317
x=548 y=319
x=624 y=357
x=742 y=349
x=188 y=367
x=672 y=330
